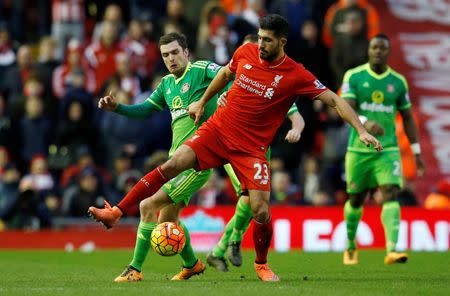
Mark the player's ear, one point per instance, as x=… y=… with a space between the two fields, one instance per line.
x=283 y=41
x=186 y=51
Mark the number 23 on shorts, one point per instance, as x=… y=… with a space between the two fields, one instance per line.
x=261 y=172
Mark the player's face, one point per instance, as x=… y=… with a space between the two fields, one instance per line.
x=269 y=45
x=175 y=57
x=378 y=51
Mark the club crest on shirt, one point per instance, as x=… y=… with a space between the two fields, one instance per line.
x=390 y=88
x=276 y=80
x=185 y=87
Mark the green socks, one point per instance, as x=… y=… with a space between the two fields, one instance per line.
x=390 y=217
x=243 y=216
x=352 y=216
x=188 y=255
x=235 y=228
x=142 y=246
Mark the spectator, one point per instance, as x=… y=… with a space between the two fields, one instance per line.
x=35 y=130
x=335 y=25
x=16 y=75
x=7 y=55
x=86 y=192
x=143 y=53
x=62 y=78
x=67 y=22
x=218 y=46
x=350 y=47
x=113 y=15
x=283 y=191
x=7 y=138
x=441 y=198
x=9 y=187
x=126 y=77
x=76 y=130
x=211 y=194
x=101 y=55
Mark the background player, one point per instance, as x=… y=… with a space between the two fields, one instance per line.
x=267 y=83
x=377 y=92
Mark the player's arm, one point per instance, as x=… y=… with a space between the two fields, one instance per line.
x=347 y=113
x=298 y=124
x=413 y=137
x=137 y=111
x=222 y=78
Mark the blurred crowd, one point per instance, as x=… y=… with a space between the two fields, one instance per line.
x=59 y=154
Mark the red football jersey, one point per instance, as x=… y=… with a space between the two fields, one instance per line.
x=260 y=97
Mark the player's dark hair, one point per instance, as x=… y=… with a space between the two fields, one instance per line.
x=253 y=38
x=275 y=23
x=180 y=38
x=382 y=36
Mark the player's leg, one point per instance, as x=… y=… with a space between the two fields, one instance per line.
x=389 y=179
x=183 y=159
x=262 y=233
x=180 y=190
x=390 y=217
x=353 y=209
x=148 y=222
x=358 y=169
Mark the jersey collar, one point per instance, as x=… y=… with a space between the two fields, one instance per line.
x=273 y=64
x=376 y=75
x=188 y=66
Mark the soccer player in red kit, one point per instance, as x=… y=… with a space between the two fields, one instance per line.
x=266 y=84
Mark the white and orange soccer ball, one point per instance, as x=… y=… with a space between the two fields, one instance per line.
x=168 y=239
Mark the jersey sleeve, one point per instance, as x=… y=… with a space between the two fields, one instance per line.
x=157 y=97
x=403 y=101
x=292 y=110
x=211 y=70
x=348 y=90
x=308 y=85
x=233 y=64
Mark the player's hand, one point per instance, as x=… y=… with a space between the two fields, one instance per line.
x=420 y=165
x=368 y=140
x=293 y=135
x=374 y=128
x=107 y=103
x=195 y=111
x=222 y=100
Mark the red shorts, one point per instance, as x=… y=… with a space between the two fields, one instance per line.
x=211 y=149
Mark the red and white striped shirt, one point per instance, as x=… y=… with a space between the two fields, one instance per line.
x=70 y=11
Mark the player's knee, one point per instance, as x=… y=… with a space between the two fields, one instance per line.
x=261 y=214
x=356 y=201
x=390 y=193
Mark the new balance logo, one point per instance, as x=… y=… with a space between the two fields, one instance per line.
x=247 y=66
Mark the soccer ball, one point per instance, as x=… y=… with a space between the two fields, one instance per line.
x=168 y=239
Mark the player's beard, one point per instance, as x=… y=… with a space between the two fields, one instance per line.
x=271 y=57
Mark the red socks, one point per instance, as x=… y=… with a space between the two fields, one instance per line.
x=262 y=235
x=146 y=187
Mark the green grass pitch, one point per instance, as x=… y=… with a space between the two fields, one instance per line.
x=60 y=273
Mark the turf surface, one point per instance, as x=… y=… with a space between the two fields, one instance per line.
x=60 y=273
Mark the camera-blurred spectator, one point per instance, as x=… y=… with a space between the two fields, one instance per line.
x=36 y=189
x=211 y=194
x=308 y=50
x=333 y=153
x=144 y=53
x=156 y=159
x=84 y=159
x=218 y=46
x=86 y=192
x=35 y=130
x=101 y=55
x=62 y=76
x=67 y=22
x=440 y=199
x=113 y=15
x=335 y=23
x=126 y=77
x=284 y=192
x=310 y=178
x=7 y=138
x=16 y=75
x=76 y=130
x=9 y=186
x=350 y=47
x=175 y=15
x=7 y=55
x=253 y=11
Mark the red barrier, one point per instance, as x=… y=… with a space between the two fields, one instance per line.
x=307 y=228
